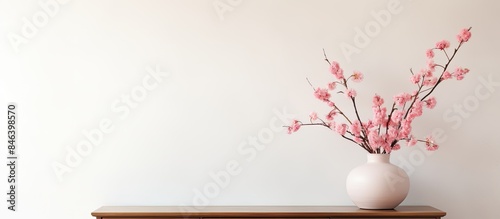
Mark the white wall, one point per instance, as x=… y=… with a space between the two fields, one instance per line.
x=231 y=74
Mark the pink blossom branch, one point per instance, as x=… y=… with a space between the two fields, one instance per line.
x=414 y=98
x=335 y=106
x=399 y=119
x=389 y=117
x=363 y=130
x=327 y=126
x=445 y=67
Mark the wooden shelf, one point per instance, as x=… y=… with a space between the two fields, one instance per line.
x=227 y=212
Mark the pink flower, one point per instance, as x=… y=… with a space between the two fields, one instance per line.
x=357 y=76
x=426 y=73
x=331 y=114
x=430 y=145
x=464 y=35
x=377 y=100
x=408 y=97
x=446 y=75
x=313 y=116
x=414 y=93
x=416 y=110
x=397 y=116
x=460 y=72
x=294 y=127
x=380 y=116
x=415 y=78
x=431 y=81
x=396 y=147
x=405 y=128
x=331 y=86
x=336 y=70
x=351 y=93
x=443 y=44
x=431 y=102
x=368 y=125
x=334 y=67
x=356 y=128
x=341 y=129
x=322 y=94
x=331 y=104
x=387 y=148
x=401 y=99
x=374 y=140
x=431 y=65
x=392 y=134
x=430 y=53
x=466 y=70
x=412 y=141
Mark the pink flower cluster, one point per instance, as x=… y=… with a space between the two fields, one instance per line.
x=294 y=127
x=464 y=35
x=388 y=126
x=322 y=94
x=337 y=71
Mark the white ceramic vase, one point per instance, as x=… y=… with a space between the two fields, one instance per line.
x=378 y=184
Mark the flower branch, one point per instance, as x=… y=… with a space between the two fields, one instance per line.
x=370 y=135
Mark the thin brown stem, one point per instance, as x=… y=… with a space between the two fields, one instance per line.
x=326 y=58
x=310 y=83
x=356 y=143
x=313 y=124
x=389 y=117
x=427 y=89
x=446 y=55
x=414 y=98
x=342 y=113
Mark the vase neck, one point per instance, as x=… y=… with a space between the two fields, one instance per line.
x=378 y=158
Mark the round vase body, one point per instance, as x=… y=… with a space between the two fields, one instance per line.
x=378 y=184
